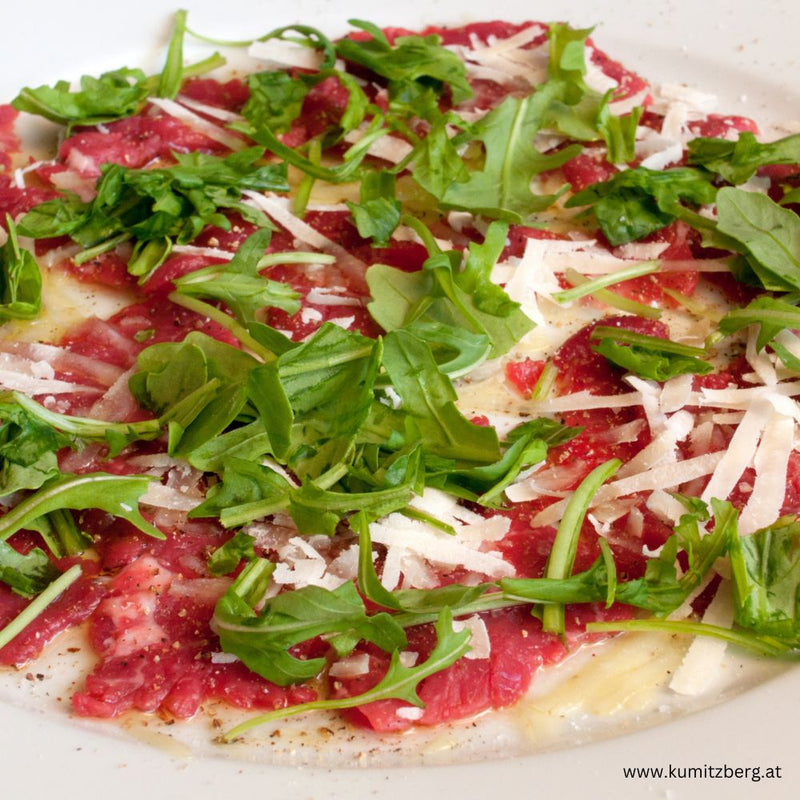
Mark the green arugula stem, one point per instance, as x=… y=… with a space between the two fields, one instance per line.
x=763 y=645
x=398 y=683
x=586 y=286
x=214 y=61
x=89 y=490
x=609 y=298
x=545 y=382
x=269 y=260
x=247 y=512
x=421 y=229
x=227 y=322
x=614 y=300
x=656 y=342
x=307 y=183
x=490 y=601
x=39 y=604
x=565 y=545
x=87 y=427
x=103 y=247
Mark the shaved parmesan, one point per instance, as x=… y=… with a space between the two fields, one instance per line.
x=668 y=476
x=210 y=111
x=740 y=452
x=389 y=148
x=331 y=296
x=410 y=713
x=700 y=666
x=210 y=252
x=279 y=54
x=479 y=644
x=278 y=209
x=410 y=540
x=350 y=667
x=690 y=97
x=18 y=376
x=197 y=122
x=504 y=60
x=671 y=154
x=771 y=463
x=162 y=496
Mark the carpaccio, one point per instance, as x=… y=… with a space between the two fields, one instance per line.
x=148 y=605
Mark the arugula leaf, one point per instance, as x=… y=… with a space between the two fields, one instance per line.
x=637 y=202
x=116 y=94
x=248 y=442
x=43 y=431
x=150 y=204
x=116 y=494
x=248 y=490
x=528 y=445
x=316 y=510
x=648 y=356
x=566 y=59
x=276 y=99
x=399 y=682
x=28 y=449
x=738 y=161
x=39 y=604
x=589 y=586
x=765 y=568
x=501 y=188
x=315 y=397
x=412 y=59
x=436 y=162
x=226 y=558
x=579 y=112
x=619 y=133
x=565 y=545
x=771 y=314
x=660 y=590
x=113 y=95
x=443 y=294
x=239 y=284
x=20 y=279
x=378 y=213
x=263 y=640
x=62 y=535
x=429 y=400
x=765 y=233
x=456 y=350
x=28 y=574
x=199 y=384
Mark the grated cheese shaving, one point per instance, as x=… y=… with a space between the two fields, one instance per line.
x=197 y=122
x=278 y=209
x=771 y=463
x=700 y=665
x=480 y=646
x=279 y=54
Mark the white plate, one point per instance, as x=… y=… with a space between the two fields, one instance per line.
x=743 y=52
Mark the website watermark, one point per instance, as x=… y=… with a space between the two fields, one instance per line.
x=754 y=774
